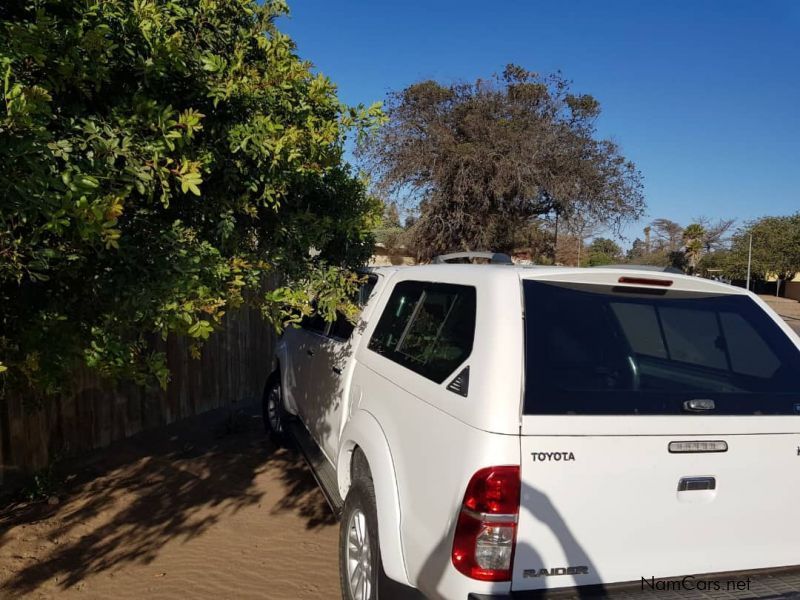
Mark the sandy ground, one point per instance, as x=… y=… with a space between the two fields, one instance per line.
x=204 y=509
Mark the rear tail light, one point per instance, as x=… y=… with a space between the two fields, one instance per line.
x=486 y=532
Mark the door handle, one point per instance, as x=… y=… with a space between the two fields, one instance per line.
x=336 y=370
x=310 y=352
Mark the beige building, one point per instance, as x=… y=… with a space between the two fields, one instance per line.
x=384 y=257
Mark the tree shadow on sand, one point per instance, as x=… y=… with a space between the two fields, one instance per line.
x=303 y=495
x=158 y=487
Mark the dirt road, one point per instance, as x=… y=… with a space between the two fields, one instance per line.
x=788 y=309
x=204 y=509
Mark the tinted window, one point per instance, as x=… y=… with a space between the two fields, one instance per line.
x=365 y=290
x=427 y=327
x=594 y=349
x=342 y=328
x=315 y=323
x=639 y=322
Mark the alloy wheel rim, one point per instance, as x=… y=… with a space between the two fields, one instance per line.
x=272 y=409
x=358 y=557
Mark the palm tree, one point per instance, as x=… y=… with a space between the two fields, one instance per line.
x=693 y=237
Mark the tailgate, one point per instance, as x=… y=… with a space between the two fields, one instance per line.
x=660 y=435
x=603 y=509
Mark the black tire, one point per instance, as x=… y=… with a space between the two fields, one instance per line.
x=272 y=409
x=360 y=501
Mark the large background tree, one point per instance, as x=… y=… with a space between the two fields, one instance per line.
x=158 y=159
x=776 y=249
x=666 y=236
x=603 y=251
x=483 y=159
x=668 y=243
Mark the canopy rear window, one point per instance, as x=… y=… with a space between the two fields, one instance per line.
x=595 y=349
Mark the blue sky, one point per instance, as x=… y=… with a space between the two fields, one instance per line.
x=703 y=95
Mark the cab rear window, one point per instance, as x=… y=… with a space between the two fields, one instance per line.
x=427 y=327
x=593 y=349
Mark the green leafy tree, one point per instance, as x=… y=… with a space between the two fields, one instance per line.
x=637 y=251
x=603 y=251
x=714 y=264
x=390 y=231
x=159 y=159
x=483 y=159
x=776 y=249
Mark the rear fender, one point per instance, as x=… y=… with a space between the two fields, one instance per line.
x=363 y=431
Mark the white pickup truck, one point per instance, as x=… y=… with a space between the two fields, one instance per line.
x=496 y=431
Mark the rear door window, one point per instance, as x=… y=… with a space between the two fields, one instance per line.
x=427 y=327
x=593 y=349
x=315 y=323
x=342 y=328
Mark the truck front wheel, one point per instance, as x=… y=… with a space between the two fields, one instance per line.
x=272 y=408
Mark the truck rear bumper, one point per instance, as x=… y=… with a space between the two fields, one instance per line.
x=762 y=583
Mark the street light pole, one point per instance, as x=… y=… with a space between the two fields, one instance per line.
x=555 y=242
x=749 y=260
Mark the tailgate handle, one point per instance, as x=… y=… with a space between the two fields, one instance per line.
x=690 y=484
x=699 y=405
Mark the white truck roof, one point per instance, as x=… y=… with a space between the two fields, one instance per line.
x=595 y=275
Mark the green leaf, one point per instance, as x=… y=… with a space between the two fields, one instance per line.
x=213 y=63
x=101 y=245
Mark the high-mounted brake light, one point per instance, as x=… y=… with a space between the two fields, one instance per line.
x=486 y=532
x=646 y=281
